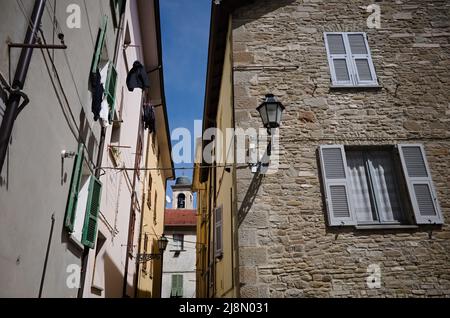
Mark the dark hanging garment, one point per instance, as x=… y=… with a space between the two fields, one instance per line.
x=97 y=94
x=149 y=118
x=137 y=78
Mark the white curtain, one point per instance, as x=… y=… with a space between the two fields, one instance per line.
x=359 y=189
x=382 y=204
x=385 y=188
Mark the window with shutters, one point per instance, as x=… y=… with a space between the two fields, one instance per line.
x=101 y=56
x=155 y=209
x=107 y=69
x=178 y=242
x=378 y=186
x=177 y=286
x=350 y=60
x=144 y=266
x=149 y=191
x=83 y=204
x=218 y=215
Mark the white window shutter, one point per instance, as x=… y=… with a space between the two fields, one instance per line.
x=361 y=59
x=336 y=185
x=420 y=185
x=338 y=59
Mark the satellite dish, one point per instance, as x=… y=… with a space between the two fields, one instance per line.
x=168 y=199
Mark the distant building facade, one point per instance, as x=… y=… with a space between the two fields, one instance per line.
x=179 y=268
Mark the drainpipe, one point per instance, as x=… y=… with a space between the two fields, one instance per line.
x=12 y=104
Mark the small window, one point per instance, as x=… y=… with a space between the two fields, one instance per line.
x=144 y=266
x=178 y=242
x=181 y=201
x=149 y=191
x=374 y=187
x=84 y=203
x=155 y=210
x=378 y=186
x=350 y=60
x=177 y=286
x=218 y=232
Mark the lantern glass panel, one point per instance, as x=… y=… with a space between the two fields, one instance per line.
x=263 y=112
x=272 y=114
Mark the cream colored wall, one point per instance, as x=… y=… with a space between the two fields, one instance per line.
x=105 y=272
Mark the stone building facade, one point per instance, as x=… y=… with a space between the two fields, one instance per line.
x=359 y=205
x=286 y=246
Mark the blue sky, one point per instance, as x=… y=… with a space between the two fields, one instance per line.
x=185 y=36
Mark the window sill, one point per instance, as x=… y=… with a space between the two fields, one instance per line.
x=98 y=288
x=76 y=243
x=385 y=227
x=374 y=87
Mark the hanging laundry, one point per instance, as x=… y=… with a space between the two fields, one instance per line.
x=104 y=111
x=137 y=77
x=97 y=94
x=149 y=118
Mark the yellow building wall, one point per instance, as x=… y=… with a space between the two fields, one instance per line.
x=224 y=181
x=216 y=276
x=154 y=189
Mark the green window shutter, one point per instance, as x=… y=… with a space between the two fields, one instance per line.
x=110 y=88
x=174 y=291
x=177 y=286
x=99 y=46
x=92 y=211
x=180 y=286
x=74 y=189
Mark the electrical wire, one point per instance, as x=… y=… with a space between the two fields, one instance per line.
x=179 y=168
x=158 y=236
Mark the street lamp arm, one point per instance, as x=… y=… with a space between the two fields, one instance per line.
x=144 y=257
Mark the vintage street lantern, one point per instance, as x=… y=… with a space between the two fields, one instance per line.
x=162 y=243
x=271 y=111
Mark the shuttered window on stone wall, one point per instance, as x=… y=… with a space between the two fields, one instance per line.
x=92 y=211
x=373 y=185
x=420 y=185
x=336 y=185
x=350 y=60
x=218 y=232
x=74 y=189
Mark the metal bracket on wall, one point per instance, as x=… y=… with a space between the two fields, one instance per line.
x=37 y=46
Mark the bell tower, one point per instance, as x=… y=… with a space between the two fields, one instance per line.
x=182 y=197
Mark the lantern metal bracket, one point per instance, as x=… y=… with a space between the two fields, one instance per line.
x=143 y=258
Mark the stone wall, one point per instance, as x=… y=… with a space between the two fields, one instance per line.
x=286 y=247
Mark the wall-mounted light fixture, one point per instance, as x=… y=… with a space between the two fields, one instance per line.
x=162 y=245
x=271 y=112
